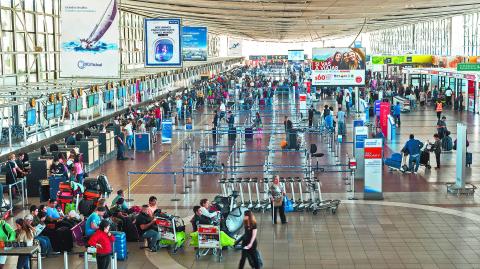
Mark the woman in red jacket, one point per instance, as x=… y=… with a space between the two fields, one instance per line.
x=103 y=240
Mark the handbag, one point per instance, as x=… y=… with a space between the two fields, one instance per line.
x=277 y=202
x=287 y=205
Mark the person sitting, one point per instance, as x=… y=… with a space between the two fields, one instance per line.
x=147 y=228
x=199 y=218
x=45 y=243
x=120 y=195
x=25 y=234
x=412 y=147
x=52 y=213
x=152 y=206
x=91 y=225
x=204 y=207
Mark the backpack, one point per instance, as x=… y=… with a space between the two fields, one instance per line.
x=447 y=143
x=104 y=184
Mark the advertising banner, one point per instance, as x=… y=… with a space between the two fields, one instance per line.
x=296 y=55
x=166 y=131
x=402 y=59
x=194 y=43
x=373 y=188
x=89 y=39
x=384 y=112
x=338 y=66
x=303 y=102
x=162 y=42
x=234 y=47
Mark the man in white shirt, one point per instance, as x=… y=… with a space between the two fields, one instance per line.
x=448 y=96
x=129 y=130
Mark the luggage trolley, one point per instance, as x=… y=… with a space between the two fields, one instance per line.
x=209 y=239
x=168 y=227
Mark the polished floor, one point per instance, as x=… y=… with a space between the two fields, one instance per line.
x=416 y=226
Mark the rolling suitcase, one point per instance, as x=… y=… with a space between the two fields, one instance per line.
x=292 y=140
x=91 y=184
x=447 y=143
x=469 y=159
x=86 y=207
x=425 y=159
x=248 y=133
x=104 y=184
x=120 y=245
x=62 y=239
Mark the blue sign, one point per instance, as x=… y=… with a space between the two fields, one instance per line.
x=194 y=43
x=377 y=108
x=357 y=123
x=167 y=131
x=360 y=141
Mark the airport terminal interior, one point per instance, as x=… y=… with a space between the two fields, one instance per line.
x=239 y=134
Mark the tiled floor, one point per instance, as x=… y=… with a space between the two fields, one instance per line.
x=417 y=225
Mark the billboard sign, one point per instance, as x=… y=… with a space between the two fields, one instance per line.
x=296 y=55
x=234 y=47
x=89 y=39
x=194 y=43
x=338 y=66
x=162 y=42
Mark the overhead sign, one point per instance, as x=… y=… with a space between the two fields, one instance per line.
x=89 y=38
x=468 y=67
x=338 y=66
x=194 y=43
x=234 y=47
x=402 y=59
x=162 y=42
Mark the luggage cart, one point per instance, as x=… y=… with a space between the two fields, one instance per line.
x=209 y=239
x=168 y=229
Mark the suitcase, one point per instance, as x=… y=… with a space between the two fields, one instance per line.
x=62 y=239
x=65 y=197
x=232 y=133
x=131 y=231
x=104 y=184
x=447 y=143
x=86 y=207
x=469 y=159
x=91 y=184
x=425 y=158
x=292 y=140
x=120 y=245
x=54 y=183
x=248 y=133
x=91 y=195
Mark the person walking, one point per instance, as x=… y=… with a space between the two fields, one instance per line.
x=249 y=242
x=341 y=121
x=277 y=192
x=439 y=109
x=397 y=110
x=437 y=149
x=102 y=239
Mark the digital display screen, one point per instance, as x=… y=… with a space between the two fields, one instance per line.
x=296 y=55
x=106 y=97
x=31 y=117
x=79 y=104
x=72 y=105
x=50 y=112
x=58 y=110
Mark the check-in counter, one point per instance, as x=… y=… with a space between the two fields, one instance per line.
x=62 y=148
x=89 y=149
x=143 y=142
x=106 y=141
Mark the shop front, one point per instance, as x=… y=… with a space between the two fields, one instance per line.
x=465 y=82
x=389 y=67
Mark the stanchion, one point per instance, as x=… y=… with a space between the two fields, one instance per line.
x=185 y=185
x=85 y=260
x=65 y=260
x=174 y=199
x=129 y=189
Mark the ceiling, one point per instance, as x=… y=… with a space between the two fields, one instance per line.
x=295 y=20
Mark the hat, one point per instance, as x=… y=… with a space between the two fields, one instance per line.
x=29 y=217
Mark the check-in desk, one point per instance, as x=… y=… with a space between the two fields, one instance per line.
x=38 y=177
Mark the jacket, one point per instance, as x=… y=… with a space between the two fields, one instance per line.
x=413 y=147
x=7 y=233
x=437 y=147
x=100 y=237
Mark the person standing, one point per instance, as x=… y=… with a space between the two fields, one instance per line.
x=277 y=192
x=397 y=109
x=120 y=141
x=437 y=149
x=341 y=121
x=311 y=111
x=158 y=117
x=129 y=130
x=448 y=96
x=439 y=109
x=249 y=242
x=442 y=127
x=103 y=240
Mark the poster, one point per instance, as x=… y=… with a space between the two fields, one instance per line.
x=234 y=47
x=338 y=66
x=296 y=55
x=373 y=168
x=89 y=39
x=162 y=42
x=167 y=131
x=194 y=43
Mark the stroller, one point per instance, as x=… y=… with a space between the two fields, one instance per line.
x=208 y=161
x=231 y=217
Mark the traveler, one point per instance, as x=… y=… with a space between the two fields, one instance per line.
x=199 y=218
x=70 y=140
x=58 y=168
x=93 y=221
x=152 y=206
x=103 y=240
x=120 y=194
x=257 y=122
x=442 y=127
x=412 y=147
x=25 y=234
x=277 y=193
x=7 y=234
x=78 y=171
x=422 y=98
x=147 y=228
x=311 y=111
x=120 y=141
x=326 y=111
x=448 y=96
x=52 y=213
x=397 y=110
x=249 y=242
x=437 y=149
x=158 y=117
x=439 y=109
x=205 y=208
x=45 y=243
x=341 y=121
x=129 y=134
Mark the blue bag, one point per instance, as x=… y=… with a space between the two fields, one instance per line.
x=287 y=205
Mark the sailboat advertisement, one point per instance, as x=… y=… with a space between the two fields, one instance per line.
x=234 y=47
x=90 y=38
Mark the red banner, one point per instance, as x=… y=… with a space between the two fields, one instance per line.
x=384 y=112
x=373 y=153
